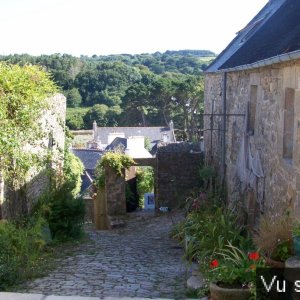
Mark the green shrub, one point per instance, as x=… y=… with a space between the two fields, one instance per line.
x=73 y=169
x=145 y=181
x=208 y=227
x=64 y=213
x=21 y=248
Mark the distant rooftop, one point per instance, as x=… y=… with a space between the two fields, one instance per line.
x=89 y=157
x=154 y=134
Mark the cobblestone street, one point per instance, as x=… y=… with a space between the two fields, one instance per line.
x=139 y=260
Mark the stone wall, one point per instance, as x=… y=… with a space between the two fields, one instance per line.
x=280 y=186
x=115 y=192
x=53 y=124
x=177 y=173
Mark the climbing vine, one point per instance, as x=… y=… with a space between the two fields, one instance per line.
x=116 y=160
x=23 y=93
x=145 y=181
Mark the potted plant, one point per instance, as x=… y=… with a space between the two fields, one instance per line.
x=232 y=275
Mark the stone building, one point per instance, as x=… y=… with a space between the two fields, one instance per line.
x=252 y=113
x=37 y=181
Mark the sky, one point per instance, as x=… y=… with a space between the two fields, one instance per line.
x=102 y=27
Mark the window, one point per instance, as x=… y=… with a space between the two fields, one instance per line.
x=252 y=108
x=288 y=123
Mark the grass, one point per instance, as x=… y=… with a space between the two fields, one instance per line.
x=50 y=260
x=75 y=110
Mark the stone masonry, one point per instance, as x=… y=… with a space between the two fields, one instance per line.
x=281 y=183
x=177 y=173
x=53 y=124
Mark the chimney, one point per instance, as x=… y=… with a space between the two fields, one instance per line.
x=171 y=125
x=111 y=136
x=135 y=142
x=94 y=129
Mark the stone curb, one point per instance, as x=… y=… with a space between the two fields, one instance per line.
x=21 y=296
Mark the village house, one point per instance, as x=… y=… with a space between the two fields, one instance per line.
x=53 y=141
x=129 y=140
x=101 y=137
x=252 y=113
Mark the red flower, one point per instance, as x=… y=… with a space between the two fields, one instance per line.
x=254 y=255
x=214 y=263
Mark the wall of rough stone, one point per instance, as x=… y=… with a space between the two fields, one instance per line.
x=115 y=192
x=177 y=173
x=281 y=184
x=53 y=124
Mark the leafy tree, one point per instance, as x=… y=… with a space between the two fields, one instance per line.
x=136 y=103
x=74 y=118
x=74 y=98
x=188 y=103
x=96 y=113
x=151 y=89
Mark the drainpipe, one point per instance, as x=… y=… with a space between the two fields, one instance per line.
x=223 y=144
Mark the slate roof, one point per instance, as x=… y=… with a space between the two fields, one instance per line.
x=153 y=133
x=274 y=31
x=86 y=182
x=117 y=142
x=89 y=157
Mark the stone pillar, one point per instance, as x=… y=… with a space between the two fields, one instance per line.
x=115 y=192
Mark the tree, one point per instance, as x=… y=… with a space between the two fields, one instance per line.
x=188 y=100
x=74 y=98
x=136 y=103
x=96 y=113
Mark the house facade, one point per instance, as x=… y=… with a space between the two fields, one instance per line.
x=252 y=113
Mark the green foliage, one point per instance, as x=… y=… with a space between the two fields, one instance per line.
x=21 y=248
x=75 y=116
x=72 y=170
x=145 y=181
x=147 y=144
x=115 y=160
x=208 y=230
x=74 y=98
x=235 y=267
x=146 y=89
x=296 y=228
x=283 y=251
x=64 y=213
x=23 y=92
x=207 y=172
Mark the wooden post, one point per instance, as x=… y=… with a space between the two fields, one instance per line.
x=100 y=211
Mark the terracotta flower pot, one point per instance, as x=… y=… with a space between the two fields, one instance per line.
x=220 y=293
